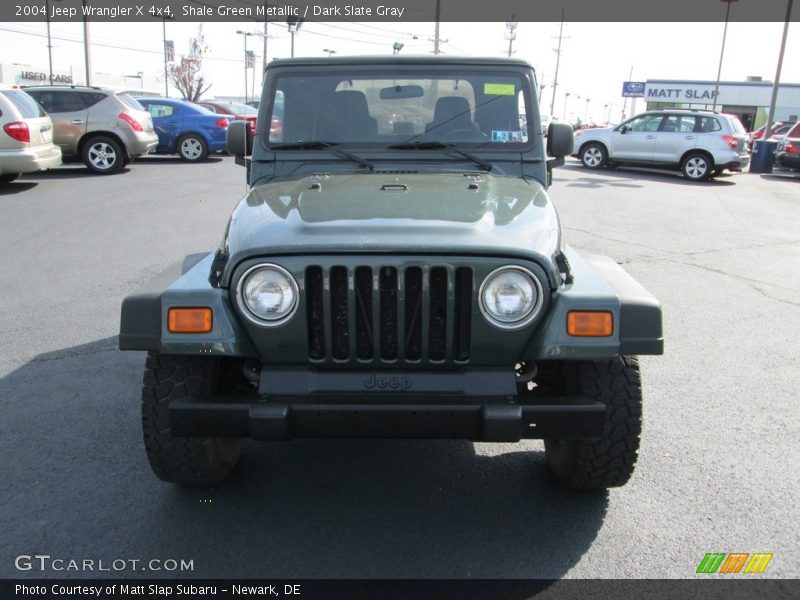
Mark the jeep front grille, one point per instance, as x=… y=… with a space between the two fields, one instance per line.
x=385 y=314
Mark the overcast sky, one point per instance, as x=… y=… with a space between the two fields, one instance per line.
x=596 y=57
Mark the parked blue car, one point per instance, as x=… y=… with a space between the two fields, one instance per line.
x=185 y=129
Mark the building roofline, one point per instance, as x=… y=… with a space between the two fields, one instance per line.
x=737 y=83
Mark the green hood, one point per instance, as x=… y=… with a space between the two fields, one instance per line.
x=396 y=212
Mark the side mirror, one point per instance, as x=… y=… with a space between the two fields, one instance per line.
x=560 y=140
x=560 y=143
x=623 y=129
x=239 y=140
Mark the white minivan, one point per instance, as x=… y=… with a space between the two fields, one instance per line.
x=26 y=136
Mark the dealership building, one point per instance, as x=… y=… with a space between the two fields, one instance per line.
x=749 y=100
x=143 y=83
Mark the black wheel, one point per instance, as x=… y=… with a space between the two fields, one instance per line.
x=9 y=177
x=610 y=460
x=103 y=155
x=697 y=166
x=186 y=460
x=192 y=148
x=594 y=156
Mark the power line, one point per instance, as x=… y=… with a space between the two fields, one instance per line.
x=116 y=47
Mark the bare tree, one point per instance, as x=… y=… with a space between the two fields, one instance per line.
x=186 y=75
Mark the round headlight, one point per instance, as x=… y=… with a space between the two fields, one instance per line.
x=510 y=297
x=269 y=294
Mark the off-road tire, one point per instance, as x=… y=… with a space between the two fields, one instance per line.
x=192 y=148
x=9 y=177
x=103 y=154
x=594 y=156
x=185 y=460
x=608 y=461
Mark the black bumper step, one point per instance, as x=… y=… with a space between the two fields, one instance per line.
x=571 y=418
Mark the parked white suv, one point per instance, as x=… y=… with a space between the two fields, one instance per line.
x=700 y=143
x=26 y=136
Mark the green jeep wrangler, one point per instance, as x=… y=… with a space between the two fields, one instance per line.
x=397 y=270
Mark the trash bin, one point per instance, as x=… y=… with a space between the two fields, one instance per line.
x=763 y=156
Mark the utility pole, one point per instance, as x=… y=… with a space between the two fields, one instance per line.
x=264 y=50
x=541 y=90
x=49 y=42
x=511 y=33
x=778 y=72
x=722 y=50
x=558 y=62
x=87 y=59
x=436 y=29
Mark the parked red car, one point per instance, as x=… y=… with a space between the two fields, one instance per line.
x=788 y=153
x=777 y=128
x=240 y=112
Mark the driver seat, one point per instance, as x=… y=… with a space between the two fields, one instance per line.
x=452 y=113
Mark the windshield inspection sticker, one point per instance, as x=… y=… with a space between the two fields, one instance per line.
x=499 y=89
x=506 y=136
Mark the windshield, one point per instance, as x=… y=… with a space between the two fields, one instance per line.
x=27 y=106
x=241 y=109
x=470 y=108
x=130 y=101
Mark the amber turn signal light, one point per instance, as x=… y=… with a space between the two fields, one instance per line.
x=190 y=320
x=590 y=323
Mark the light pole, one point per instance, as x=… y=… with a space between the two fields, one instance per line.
x=722 y=50
x=586 y=114
x=329 y=51
x=293 y=23
x=166 y=56
x=566 y=98
x=396 y=47
x=245 y=35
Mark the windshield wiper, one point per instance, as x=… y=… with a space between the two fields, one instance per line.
x=442 y=146
x=330 y=146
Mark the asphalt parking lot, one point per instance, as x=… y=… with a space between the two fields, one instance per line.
x=718 y=470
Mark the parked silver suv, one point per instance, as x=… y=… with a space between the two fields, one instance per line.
x=700 y=143
x=103 y=127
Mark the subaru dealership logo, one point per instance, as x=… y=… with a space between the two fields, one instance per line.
x=633 y=89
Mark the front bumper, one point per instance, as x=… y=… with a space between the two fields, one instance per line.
x=479 y=404
x=571 y=418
